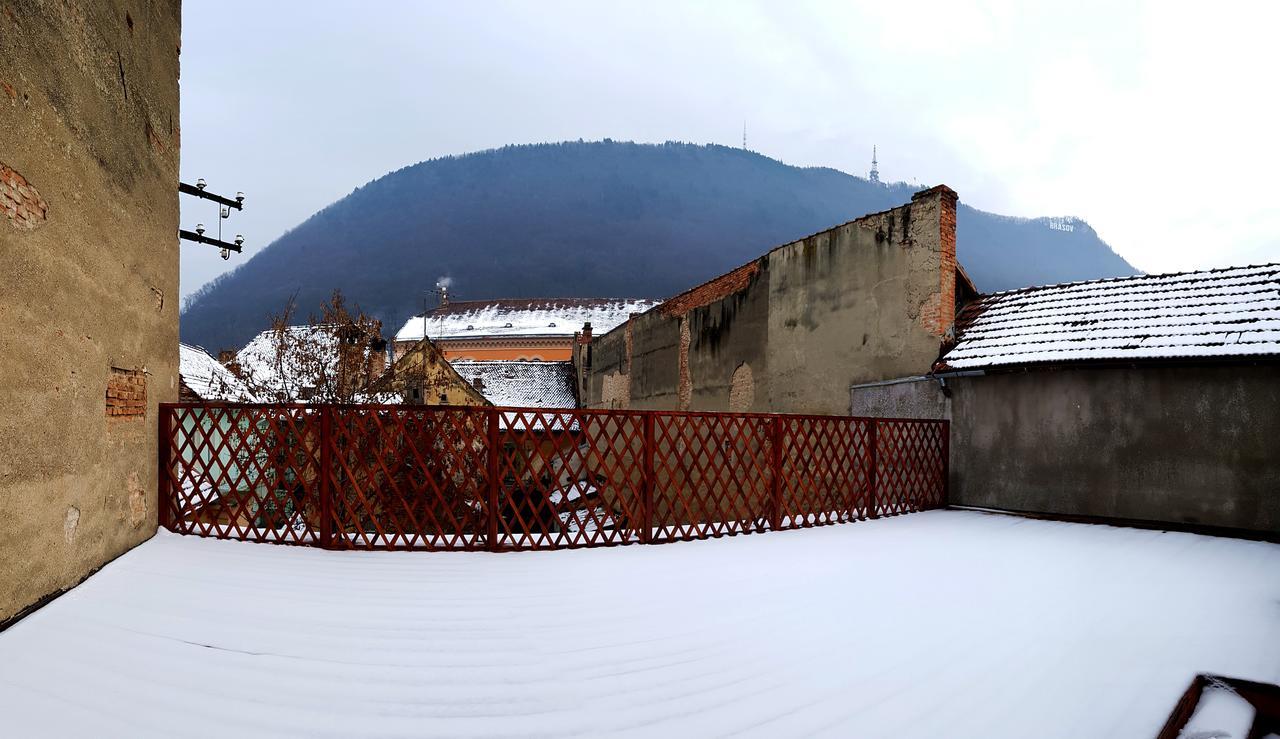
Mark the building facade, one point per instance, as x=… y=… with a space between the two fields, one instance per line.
x=88 y=238
x=1148 y=399
x=792 y=330
x=422 y=376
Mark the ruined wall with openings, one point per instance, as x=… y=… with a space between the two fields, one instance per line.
x=89 y=299
x=868 y=300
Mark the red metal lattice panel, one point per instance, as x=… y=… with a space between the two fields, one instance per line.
x=911 y=466
x=825 y=471
x=441 y=478
x=408 y=478
x=569 y=479
x=242 y=472
x=712 y=475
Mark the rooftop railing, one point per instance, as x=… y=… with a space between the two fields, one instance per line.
x=499 y=479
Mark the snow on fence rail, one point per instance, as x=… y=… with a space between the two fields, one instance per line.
x=456 y=478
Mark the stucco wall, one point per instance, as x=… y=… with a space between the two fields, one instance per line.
x=870 y=299
x=918 y=397
x=1178 y=444
x=89 y=119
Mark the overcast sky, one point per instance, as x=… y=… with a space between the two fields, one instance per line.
x=1156 y=124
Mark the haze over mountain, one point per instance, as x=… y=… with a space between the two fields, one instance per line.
x=597 y=219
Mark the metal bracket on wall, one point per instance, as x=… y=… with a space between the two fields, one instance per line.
x=224 y=211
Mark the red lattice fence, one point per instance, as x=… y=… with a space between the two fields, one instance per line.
x=447 y=478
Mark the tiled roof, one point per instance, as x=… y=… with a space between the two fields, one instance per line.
x=1233 y=312
x=207 y=378
x=288 y=373
x=521 y=384
x=522 y=317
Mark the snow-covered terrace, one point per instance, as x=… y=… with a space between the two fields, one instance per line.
x=944 y=623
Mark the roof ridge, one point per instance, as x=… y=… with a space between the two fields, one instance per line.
x=1129 y=278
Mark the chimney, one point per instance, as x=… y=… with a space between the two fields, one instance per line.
x=479 y=384
x=940 y=319
x=377 y=358
x=227 y=358
x=585 y=336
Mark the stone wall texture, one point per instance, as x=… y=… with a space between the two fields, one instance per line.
x=88 y=342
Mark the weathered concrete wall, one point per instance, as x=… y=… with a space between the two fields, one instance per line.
x=919 y=397
x=89 y=297
x=869 y=300
x=1176 y=444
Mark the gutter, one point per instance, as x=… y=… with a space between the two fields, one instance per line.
x=941 y=377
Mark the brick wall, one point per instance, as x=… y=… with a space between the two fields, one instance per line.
x=20 y=200
x=126 y=394
x=946 y=316
x=711 y=291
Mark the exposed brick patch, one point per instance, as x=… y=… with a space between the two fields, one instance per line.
x=9 y=90
x=944 y=313
x=126 y=394
x=938 y=311
x=20 y=201
x=615 y=391
x=709 y=292
x=742 y=389
x=685 y=390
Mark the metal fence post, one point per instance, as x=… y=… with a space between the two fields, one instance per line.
x=164 y=490
x=646 y=501
x=326 y=477
x=775 y=475
x=494 y=483
x=872 y=477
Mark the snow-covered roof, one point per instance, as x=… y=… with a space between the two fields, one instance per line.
x=207 y=378
x=523 y=317
x=521 y=384
x=259 y=359
x=294 y=370
x=1233 y=312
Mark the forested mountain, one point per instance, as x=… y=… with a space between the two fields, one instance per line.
x=601 y=219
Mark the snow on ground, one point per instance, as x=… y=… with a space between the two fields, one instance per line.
x=945 y=623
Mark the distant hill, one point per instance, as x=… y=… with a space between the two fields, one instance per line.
x=601 y=219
